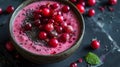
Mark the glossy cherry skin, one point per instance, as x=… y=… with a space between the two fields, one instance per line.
x=10 y=9
x=91 y=12
x=53 y=42
x=42 y=35
x=80 y=8
x=95 y=44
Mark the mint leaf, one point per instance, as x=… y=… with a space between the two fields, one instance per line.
x=92 y=59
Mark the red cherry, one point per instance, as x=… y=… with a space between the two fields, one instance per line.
x=53 y=42
x=91 y=2
x=73 y=64
x=65 y=9
x=51 y=21
x=82 y=3
x=46 y=12
x=95 y=44
x=58 y=18
x=73 y=1
x=59 y=29
x=63 y=24
x=91 y=12
x=9 y=46
x=49 y=27
x=68 y=29
x=10 y=9
x=27 y=26
x=0 y=10
x=55 y=5
x=42 y=35
x=80 y=8
x=64 y=37
x=37 y=22
x=112 y=2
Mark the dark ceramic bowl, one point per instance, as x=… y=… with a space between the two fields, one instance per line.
x=47 y=58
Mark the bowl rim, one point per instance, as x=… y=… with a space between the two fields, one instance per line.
x=27 y=2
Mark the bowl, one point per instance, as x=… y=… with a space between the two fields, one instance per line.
x=41 y=59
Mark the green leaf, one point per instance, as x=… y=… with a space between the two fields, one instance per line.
x=92 y=59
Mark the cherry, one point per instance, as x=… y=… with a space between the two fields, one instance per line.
x=63 y=24
x=64 y=37
x=46 y=12
x=0 y=10
x=59 y=29
x=68 y=29
x=37 y=22
x=51 y=21
x=91 y=12
x=49 y=27
x=36 y=16
x=55 y=5
x=73 y=1
x=112 y=2
x=95 y=44
x=91 y=2
x=10 y=9
x=82 y=3
x=27 y=26
x=53 y=42
x=80 y=8
x=58 y=18
x=42 y=35
x=73 y=64
x=65 y=9
x=9 y=46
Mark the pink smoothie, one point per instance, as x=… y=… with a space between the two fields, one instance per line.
x=38 y=47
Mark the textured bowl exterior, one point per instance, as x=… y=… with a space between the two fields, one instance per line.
x=41 y=59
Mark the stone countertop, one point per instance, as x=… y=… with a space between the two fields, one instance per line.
x=104 y=26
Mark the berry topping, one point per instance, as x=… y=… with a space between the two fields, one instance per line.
x=80 y=8
x=55 y=5
x=68 y=29
x=65 y=9
x=9 y=46
x=73 y=64
x=91 y=2
x=63 y=24
x=27 y=26
x=58 y=18
x=0 y=10
x=53 y=42
x=91 y=12
x=42 y=35
x=37 y=23
x=64 y=37
x=49 y=27
x=95 y=44
x=46 y=12
x=10 y=9
x=59 y=29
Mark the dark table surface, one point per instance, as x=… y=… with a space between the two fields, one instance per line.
x=105 y=26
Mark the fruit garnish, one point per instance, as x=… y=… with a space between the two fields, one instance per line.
x=53 y=42
x=95 y=44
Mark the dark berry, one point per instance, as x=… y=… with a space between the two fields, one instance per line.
x=51 y=21
x=9 y=46
x=1 y=11
x=68 y=29
x=46 y=12
x=73 y=64
x=91 y=12
x=58 y=18
x=80 y=8
x=49 y=27
x=59 y=29
x=27 y=26
x=95 y=44
x=10 y=9
x=53 y=42
x=112 y=2
x=63 y=24
x=91 y=2
x=42 y=35
x=37 y=23
x=64 y=37
x=55 y=5
x=65 y=9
